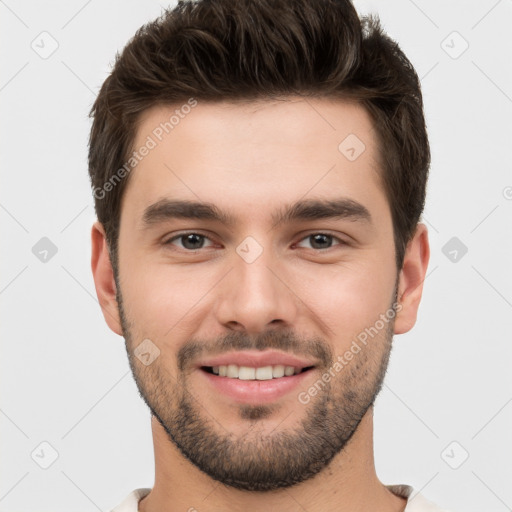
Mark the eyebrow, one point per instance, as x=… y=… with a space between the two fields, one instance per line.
x=309 y=209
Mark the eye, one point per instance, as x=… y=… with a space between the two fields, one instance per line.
x=189 y=241
x=322 y=240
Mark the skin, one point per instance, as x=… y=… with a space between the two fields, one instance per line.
x=250 y=160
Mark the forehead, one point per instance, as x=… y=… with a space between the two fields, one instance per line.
x=255 y=154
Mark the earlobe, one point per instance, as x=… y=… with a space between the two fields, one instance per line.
x=103 y=275
x=412 y=275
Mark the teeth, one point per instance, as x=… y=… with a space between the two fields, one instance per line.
x=247 y=373
x=277 y=371
x=263 y=373
x=289 y=370
x=232 y=371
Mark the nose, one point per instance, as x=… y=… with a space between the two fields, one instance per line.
x=255 y=296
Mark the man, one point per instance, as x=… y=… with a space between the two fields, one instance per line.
x=259 y=171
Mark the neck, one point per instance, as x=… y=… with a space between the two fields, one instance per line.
x=348 y=483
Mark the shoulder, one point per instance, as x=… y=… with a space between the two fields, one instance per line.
x=131 y=502
x=416 y=502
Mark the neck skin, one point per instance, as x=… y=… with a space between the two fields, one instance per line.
x=349 y=483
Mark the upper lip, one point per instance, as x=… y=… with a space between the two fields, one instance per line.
x=256 y=359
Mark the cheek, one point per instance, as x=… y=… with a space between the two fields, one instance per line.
x=161 y=299
x=348 y=298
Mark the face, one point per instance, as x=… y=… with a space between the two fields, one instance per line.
x=285 y=263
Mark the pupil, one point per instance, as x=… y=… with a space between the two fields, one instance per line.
x=191 y=239
x=321 y=238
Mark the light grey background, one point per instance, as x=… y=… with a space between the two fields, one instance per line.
x=65 y=375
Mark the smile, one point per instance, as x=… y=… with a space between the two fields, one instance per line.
x=269 y=372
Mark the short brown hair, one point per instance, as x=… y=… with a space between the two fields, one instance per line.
x=217 y=50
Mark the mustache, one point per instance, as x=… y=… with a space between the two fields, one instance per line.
x=286 y=341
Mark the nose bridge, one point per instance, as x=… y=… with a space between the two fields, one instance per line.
x=254 y=295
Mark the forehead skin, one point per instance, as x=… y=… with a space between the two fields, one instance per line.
x=240 y=145
x=251 y=159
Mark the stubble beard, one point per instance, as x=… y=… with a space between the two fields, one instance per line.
x=258 y=460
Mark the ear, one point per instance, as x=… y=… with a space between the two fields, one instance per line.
x=412 y=275
x=104 y=278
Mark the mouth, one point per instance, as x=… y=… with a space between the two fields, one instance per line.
x=269 y=372
x=252 y=377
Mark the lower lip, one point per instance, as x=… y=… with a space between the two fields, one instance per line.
x=255 y=391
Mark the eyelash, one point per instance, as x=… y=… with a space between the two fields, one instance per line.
x=182 y=235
